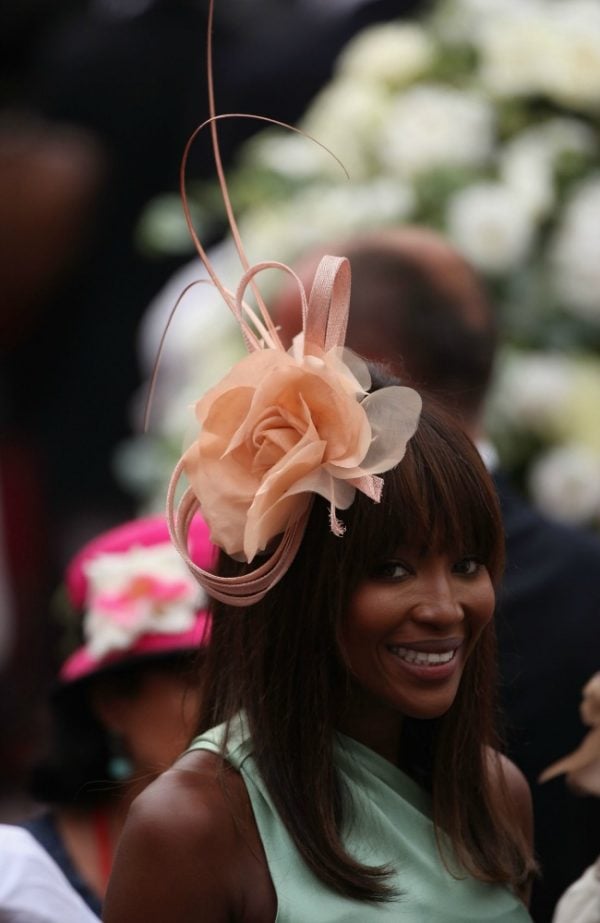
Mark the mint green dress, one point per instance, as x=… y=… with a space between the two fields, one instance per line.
x=392 y=826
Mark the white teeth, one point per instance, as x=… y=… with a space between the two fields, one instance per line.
x=420 y=657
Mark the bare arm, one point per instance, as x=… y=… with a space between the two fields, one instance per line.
x=184 y=854
x=518 y=791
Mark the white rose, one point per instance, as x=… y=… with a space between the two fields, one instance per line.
x=199 y=318
x=517 y=49
x=289 y=155
x=202 y=340
x=491 y=226
x=347 y=208
x=346 y=117
x=565 y=134
x=527 y=162
x=573 y=73
x=323 y=212
x=544 y=48
x=432 y=126
x=580 y=421
x=565 y=484
x=456 y=19
x=393 y=54
x=525 y=169
x=575 y=252
x=531 y=391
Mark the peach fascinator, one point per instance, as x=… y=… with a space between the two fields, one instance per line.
x=582 y=767
x=282 y=426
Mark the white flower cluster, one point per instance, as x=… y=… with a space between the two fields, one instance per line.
x=554 y=399
x=575 y=254
x=431 y=126
x=565 y=483
x=535 y=47
x=528 y=161
x=386 y=118
x=394 y=55
x=491 y=226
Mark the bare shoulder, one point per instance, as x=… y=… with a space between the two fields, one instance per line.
x=189 y=842
x=510 y=778
x=197 y=797
x=515 y=781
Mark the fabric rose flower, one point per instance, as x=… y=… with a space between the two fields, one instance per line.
x=281 y=426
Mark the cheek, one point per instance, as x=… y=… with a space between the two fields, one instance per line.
x=366 y=622
x=358 y=620
x=481 y=610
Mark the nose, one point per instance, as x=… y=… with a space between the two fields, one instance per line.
x=439 y=605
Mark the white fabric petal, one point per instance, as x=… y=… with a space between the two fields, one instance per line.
x=357 y=366
x=394 y=416
x=341 y=493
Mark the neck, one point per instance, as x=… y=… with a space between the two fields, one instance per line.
x=378 y=731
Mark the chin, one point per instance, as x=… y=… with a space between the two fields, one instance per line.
x=421 y=713
x=424 y=709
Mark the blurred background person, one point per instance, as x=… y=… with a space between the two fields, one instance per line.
x=125 y=704
x=581 y=901
x=32 y=887
x=418 y=307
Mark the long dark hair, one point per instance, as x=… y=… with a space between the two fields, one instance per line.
x=280 y=662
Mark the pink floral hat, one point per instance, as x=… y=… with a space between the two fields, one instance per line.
x=136 y=595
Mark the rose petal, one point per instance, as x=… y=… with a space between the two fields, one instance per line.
x=357 y=367
x=244 y=374
x=274 y=507
x=370 y=485
x=225 y=489
x=394 y=416
x=298 y=395
x=320 y=481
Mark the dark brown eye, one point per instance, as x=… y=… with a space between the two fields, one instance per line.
x=467 y=567
x=392 y=570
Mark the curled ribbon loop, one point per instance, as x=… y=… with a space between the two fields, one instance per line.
x=327 y=316
x=246 y=589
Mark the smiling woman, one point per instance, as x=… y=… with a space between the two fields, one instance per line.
x=346 y=768
x=347 y=765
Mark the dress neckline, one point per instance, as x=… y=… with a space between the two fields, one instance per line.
x=392 y=776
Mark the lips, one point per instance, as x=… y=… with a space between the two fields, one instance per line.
x=429 y=659
x=430 y=646
x=421 y=657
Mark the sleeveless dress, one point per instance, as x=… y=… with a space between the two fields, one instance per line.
x=391 y=826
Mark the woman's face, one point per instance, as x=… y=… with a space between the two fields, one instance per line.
x=156 y=721
x=409 y=630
